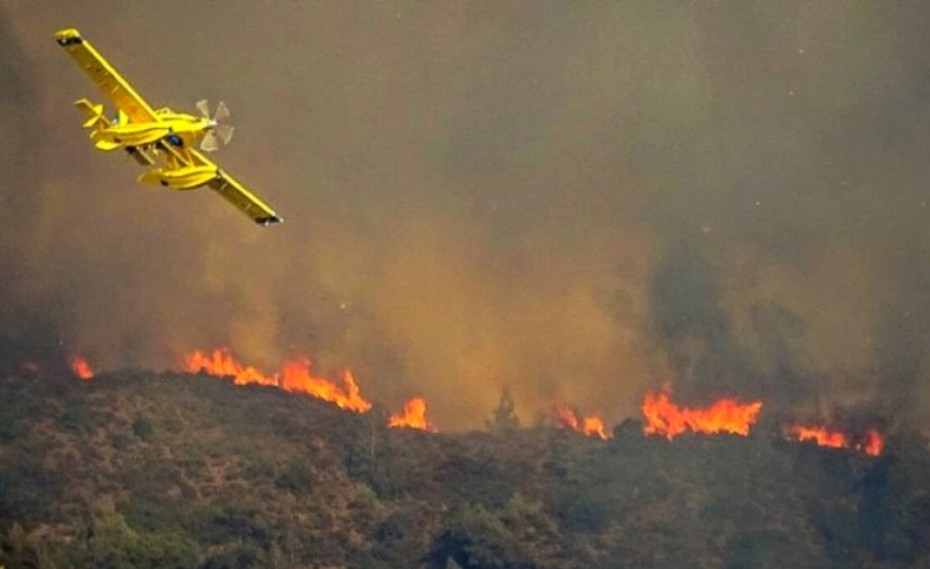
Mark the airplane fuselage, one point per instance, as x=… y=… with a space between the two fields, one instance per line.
x=178 y=128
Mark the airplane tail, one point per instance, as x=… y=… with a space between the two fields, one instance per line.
x=93 y=114
x=95 y=119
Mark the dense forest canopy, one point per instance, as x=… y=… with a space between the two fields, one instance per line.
x=138 y=469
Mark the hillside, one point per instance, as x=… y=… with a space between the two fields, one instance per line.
x=139 y=470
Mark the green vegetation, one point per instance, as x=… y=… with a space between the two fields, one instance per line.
x=173 y=471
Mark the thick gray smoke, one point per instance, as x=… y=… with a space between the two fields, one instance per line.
x=26 y=331
x=578 y=201
x=807 y=177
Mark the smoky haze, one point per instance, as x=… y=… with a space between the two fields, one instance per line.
x=577 y=201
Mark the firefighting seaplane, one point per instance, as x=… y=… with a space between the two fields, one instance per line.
x=162 y=140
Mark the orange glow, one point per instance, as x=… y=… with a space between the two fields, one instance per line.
x=663 y=417
x=295 y=377
x=412 y=417
x=874 y=443
x=592 y=426
x=81 y=368
x=871 y=443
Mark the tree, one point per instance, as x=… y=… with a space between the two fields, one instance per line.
x=21 y=549
x=473 y=538
x=504 y=418
x=109 y=542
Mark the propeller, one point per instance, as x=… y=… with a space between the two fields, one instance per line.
x=216 y=132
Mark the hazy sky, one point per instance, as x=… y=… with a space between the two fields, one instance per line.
x=577 y=200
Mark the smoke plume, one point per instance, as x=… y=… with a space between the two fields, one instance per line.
x=578 y=202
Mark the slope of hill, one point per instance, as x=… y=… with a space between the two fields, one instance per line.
x=168 y=470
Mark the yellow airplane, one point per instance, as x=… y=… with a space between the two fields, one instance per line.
x=148 y=134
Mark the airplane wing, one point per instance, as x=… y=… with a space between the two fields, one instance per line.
x=237 y=194
x=113 y=85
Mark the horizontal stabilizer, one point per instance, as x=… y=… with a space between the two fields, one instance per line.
x=93 y=114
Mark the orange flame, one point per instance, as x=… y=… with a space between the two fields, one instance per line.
x=663 y=417
x=871 y=443
x=295 y=377
x=592 y=426
x=412 y=417
x=81 y=368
